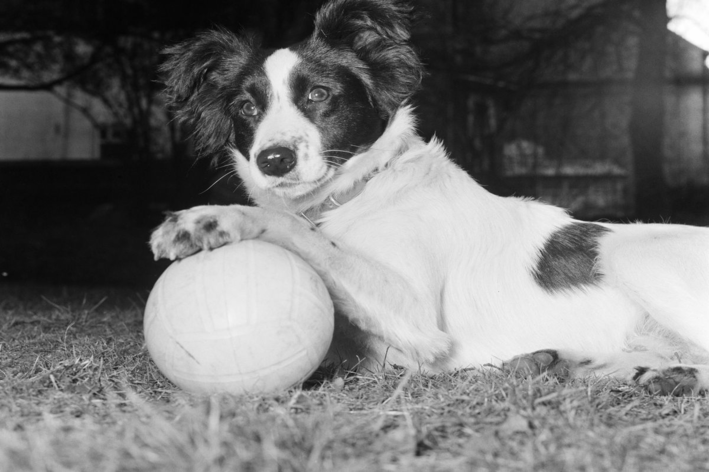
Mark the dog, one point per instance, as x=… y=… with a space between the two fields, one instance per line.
x=427 y=269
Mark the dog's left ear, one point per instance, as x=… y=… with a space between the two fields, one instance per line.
x=378 y=33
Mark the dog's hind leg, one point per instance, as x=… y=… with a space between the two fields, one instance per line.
x=647 y=369
x=665 y=270
x=676 y=380
x=568 y=364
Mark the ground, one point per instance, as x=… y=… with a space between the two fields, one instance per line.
x=78 y=392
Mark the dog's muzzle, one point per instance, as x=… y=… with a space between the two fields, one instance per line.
x=276 y=161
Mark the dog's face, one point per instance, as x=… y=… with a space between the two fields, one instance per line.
x=292 y=118
x=299 y=117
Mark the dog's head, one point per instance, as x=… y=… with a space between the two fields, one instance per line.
x=292 y=118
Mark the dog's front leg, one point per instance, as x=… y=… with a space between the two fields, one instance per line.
x=372 y=296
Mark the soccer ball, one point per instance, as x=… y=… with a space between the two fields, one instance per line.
x=249 y=317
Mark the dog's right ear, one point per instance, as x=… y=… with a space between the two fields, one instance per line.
x=196 y=72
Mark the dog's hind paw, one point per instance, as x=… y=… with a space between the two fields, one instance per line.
x=677 y=381
x=545 y=361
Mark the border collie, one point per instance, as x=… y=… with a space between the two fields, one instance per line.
x=426 y=268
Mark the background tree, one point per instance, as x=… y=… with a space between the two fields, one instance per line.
x=612 y=51
x=646 y=125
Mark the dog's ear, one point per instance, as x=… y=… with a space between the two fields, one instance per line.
x=378 y=31
x=195 y=73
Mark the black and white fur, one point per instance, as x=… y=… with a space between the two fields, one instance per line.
x=426 y=268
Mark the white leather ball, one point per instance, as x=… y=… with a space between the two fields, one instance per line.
x=249 y=317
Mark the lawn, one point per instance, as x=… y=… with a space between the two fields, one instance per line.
x=78 y=392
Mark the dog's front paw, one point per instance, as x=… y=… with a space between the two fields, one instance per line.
x=185 y=232
x=677 y=381
x=427 y=347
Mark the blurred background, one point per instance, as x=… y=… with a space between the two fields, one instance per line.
x=600 y=106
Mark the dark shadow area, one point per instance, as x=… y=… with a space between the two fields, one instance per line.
x=78 y=223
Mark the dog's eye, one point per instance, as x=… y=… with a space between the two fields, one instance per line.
x=318 y=94
x=249 y=109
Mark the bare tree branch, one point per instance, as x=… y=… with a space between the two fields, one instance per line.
x=50 y=84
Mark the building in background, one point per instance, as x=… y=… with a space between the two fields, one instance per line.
x=49 y=126
x=567 y=140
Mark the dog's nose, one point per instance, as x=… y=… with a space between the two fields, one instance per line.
x=276 y=161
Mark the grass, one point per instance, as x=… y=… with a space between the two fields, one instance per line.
x=78 y=392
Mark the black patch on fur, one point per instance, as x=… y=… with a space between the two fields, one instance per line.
x=348 y=121
x=209 y=225
x=568 y=259
x=250 y=84
x=182 y=237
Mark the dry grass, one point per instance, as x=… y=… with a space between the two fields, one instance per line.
x=79 y=393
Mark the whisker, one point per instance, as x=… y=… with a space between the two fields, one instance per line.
x=372 y=148
x=338 y=150
x=225 y=165
x=335 y=165
x=228 y=174
x=237 y=186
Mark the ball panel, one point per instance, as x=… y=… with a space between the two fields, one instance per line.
x=256 y=278
x=243 y=350
x=232 y=361
x=274 y=377
x=198 y=285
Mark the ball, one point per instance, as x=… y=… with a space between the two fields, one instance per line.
x=249 y=317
